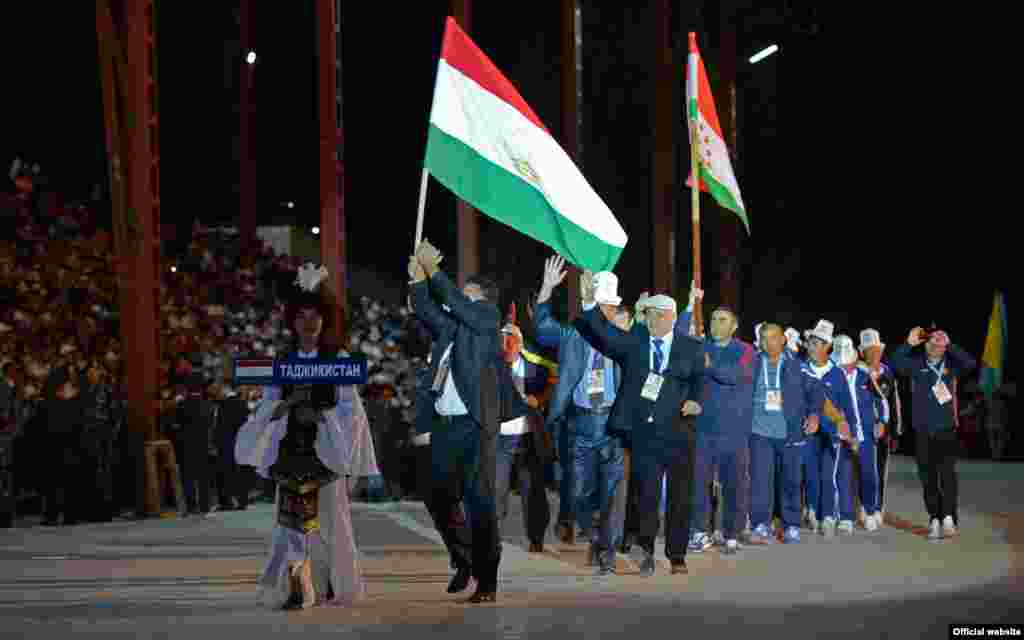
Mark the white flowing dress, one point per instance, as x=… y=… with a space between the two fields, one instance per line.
x=344 y=445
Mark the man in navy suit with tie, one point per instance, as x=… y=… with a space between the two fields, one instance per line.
x=656 y=405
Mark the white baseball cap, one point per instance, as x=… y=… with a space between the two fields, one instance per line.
x=843 y=352
x=792 y=339
x=823 y=331
x=662 y=302
x=870 y=338
x=606 y=288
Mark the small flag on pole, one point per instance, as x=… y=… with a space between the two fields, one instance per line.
x=994 y=356
x=301 y=371
x=716 y=174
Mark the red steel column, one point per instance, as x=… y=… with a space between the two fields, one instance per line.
x=133 y=138
x=332 y=232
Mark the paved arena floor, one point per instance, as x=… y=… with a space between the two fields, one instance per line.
x=195 y=578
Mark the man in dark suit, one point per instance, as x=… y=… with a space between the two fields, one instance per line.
x=464 y=375
x=656 y=404
x=196 y=415
x=232 y=413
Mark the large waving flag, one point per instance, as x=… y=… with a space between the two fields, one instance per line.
x=994 y=357
x=487 y=146
x=716 y=175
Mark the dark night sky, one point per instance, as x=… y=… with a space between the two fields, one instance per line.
x=849 y=159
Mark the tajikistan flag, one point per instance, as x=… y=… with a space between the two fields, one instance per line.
x=491 y=150
x=716 y=175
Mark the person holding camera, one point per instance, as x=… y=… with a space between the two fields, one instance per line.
x=933 y=374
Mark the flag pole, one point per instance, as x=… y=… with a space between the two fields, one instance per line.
x=698 y=315
x=422 y=207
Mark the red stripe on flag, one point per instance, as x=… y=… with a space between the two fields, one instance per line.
x=255 y=363
x=461 y=53
x=705 y=100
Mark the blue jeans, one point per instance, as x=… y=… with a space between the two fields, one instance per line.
x=599 y=470
x=567 y=439
x=765 y=453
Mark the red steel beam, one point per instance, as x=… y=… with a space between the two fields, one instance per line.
x=332 y=231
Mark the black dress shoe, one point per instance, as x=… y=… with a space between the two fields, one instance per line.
x=647 y=565
x=679 y=567
x=295 y=596
x=460 y=580
x=294 y=602
x=481 y=597
x=627 y=544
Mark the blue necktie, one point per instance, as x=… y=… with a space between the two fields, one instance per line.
x=657 y=354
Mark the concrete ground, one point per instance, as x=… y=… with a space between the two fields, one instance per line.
x=196 y=578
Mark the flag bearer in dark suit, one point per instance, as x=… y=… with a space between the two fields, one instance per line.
x=465 y=363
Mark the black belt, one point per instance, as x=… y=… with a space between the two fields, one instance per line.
x=591 y=412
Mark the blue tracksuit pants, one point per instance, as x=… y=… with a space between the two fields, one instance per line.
x=765 y=453
x=837 y=481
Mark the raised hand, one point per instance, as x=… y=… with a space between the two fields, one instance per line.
x=415 y=270
x=428 y=255
x=915 y=338
x=554 y=274
x=587 y=286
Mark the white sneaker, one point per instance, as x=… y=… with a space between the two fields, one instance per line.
x=828 y=527
x=948 y=528
x=871 y=522
x=935 y=530
x=845 y=526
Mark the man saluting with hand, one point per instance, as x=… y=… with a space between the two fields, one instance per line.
x=662 y=378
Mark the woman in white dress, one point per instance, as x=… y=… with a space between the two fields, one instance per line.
x=314 y=442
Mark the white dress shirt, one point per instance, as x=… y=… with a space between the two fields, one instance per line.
x=450 y=403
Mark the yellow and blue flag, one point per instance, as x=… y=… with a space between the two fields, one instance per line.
x=994 y=357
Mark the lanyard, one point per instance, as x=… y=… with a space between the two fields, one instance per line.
x=937 y=370
x=778 y=374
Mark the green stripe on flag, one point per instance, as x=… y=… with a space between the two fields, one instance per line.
x=509 y=199
x=693 y=108
x=723 y=197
